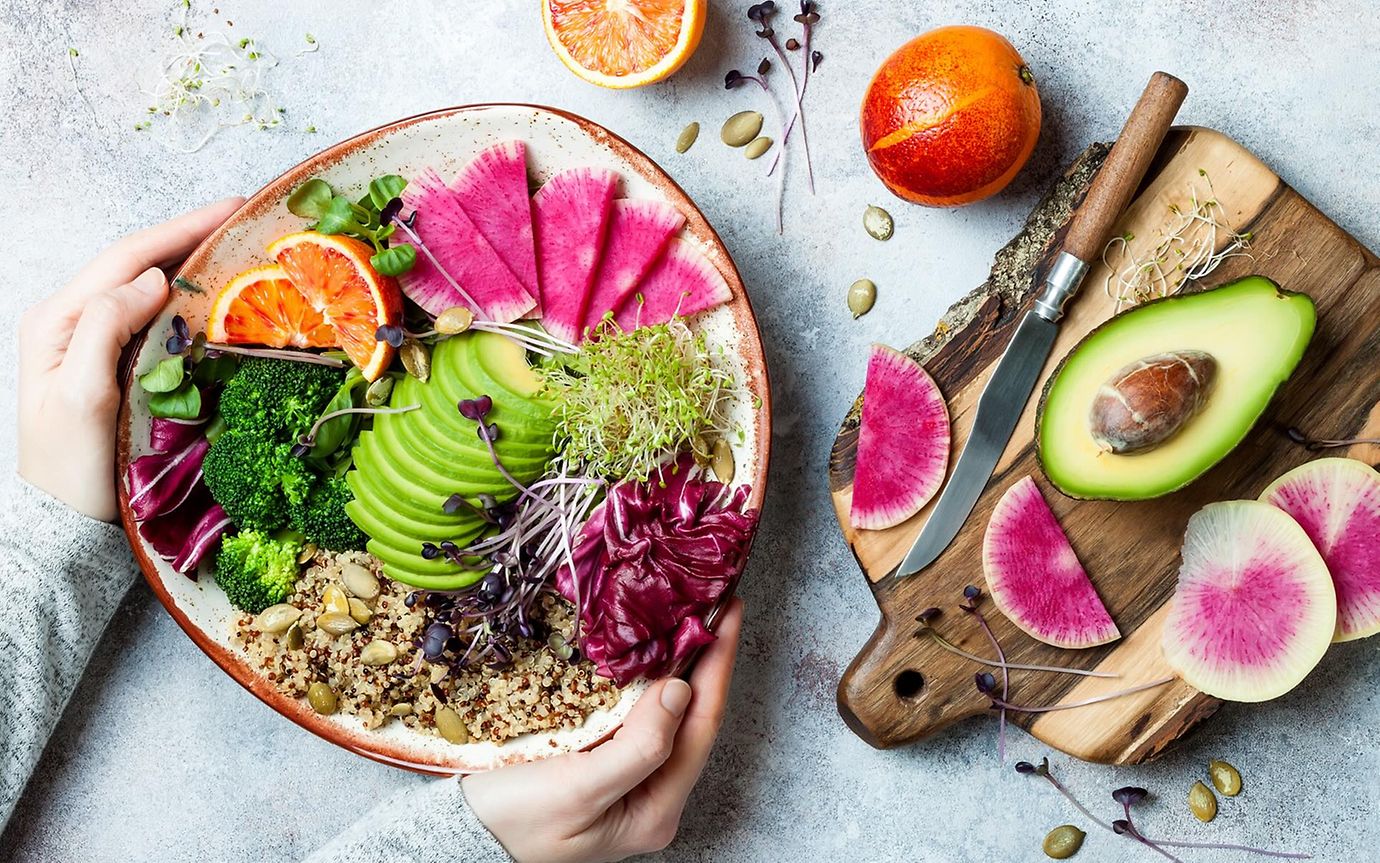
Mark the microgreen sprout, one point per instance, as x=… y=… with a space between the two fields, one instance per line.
x=735 y=79
x=312 y=46
x=971 y=595
x=808 y=17
x=277 y=354
x=306 y=441
x=927 y=618
x=1002 y=704
x=72 y=55
x=1297 y=435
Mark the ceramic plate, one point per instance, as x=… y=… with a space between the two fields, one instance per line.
x=445 y=140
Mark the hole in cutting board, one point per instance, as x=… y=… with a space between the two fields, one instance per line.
x=909 y=683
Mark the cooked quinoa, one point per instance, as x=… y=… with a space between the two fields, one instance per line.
x=538 y=692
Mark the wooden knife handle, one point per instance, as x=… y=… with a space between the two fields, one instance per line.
x=1116 y=182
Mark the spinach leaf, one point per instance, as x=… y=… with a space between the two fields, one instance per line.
x=310 y=199
x=183 y=403
x=164 y=377
x=395 y=260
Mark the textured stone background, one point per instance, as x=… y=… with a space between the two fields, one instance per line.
x=161 y=757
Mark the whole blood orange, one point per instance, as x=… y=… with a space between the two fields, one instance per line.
x=950 y=117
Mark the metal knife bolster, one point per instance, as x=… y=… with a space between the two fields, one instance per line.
x=1060 y=285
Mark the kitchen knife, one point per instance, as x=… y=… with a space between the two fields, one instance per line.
x=1004 y=398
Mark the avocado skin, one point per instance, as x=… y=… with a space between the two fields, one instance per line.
x=1288 y=361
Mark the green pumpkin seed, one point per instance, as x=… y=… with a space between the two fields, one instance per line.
x=294 y=638
x=361 y=613
x=559 y=646
x=400 y=709
x=336 y=623
x=359 y=581
x=722 y=462
x=1063 y=842
x=416 y=359
x=334 y=600
x=878 y=224
x=701 y=450
x=862 y=295
x=307 y=553
x=378 y=653
x=687 y=137
x=1202 y=802
x=757 y=147
x=277 y=618
x=740 y=129
x=451 y=726
x=377 y=393
x=454 y=320
x=1225 y=778
x=322 y=698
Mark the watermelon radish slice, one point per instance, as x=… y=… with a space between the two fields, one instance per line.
x=1337 y=503
x=572 y=217
x=457 y=267
x=493 y=192
x=638 y=232
x=1035 y=577
x=1254 y=610
x=683 y=282
x=903 y=444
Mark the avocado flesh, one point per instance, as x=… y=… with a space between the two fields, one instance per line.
x=408 y=464
x=1255 y=331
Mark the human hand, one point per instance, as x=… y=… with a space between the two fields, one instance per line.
x=69 y=345
x=626 y=795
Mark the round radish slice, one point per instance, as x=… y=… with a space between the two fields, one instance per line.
x=1337 y=503
x=1035 y=577
x=1254 y=610
x=903 y=444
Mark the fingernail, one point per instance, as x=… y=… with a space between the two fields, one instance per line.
x=150 y=281
x=675 y=696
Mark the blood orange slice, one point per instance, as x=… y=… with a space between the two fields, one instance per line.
x=262 y=307
x=334 y=275
x=623 y=43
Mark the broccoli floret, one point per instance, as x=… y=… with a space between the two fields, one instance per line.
x=321 y=516
x=257 y=570
x=256 y=480
x=278 y=399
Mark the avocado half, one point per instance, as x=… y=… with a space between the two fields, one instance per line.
x=1257 y=333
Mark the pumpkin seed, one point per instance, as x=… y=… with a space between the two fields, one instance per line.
x=307 y=553
x=741 y=128
x=334 y=600
x=1225 y=778
x=336 y=623
x=402 y=708
x=377 y=393
x=416 y=359
x=451 y=726
x=277 y=618
x=294 y=638
x=687 y=137
x=878 y=223
x=1202 y=802
x=757 y=147
x=359 y=581
x=559 y=646
x=378 y=653
x=700 y=449
x=862 y=296
x=322 y=698
x=454 y=320
x=361 y=613
x=1063 y=842
x=722 y=461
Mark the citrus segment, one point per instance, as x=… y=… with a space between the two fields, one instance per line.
x=262 y=307
x=623 y=43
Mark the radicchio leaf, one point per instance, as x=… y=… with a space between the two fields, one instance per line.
x=160 y=482
x=185 y=535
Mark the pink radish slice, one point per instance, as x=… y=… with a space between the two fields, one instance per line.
x=493 y=192
x=1035 y=576
x=572 y=217
x=638 y=233
x=682 y=282
x=461 y=257
x=1254 y=609
x=1337 y=503
x=903 y=444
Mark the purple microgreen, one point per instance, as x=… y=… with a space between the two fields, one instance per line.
x=1123 y=827
x=308 y=440
x=1025 y=768
x=1312 y=444
x=927 y=630
x=1003 y=704
x=793 y=44
x=390 y=211
x=213 y=348
x=408 y=227
x=815 y=58
x=1129 y=796
x=764 y=67
x=181 y=337
x=929 y=615
x=454 y=504
x=971 y=595
x=393 y=334
x=985 y=682
x=476 y=408
x=732 y=79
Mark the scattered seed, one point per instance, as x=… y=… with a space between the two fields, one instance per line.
x=336 y=624
x=878 y=223
x=416 y=359
x=862 y=296
x=359 y=581
x=1225 y=778
x=741 y=128
x=361 y=613
x=701 y=450
x=334 y=600
x=1063 y=842
x=277 y=618
x=378 y=653
x=322 y=698
x=307 y=553
x=1202 y=802
x=377 y=393
x=294 y=638
x=757 y=147
x=792 y=44
x=402 y=708
x=560 y=646
x=722 y=461
x=451 y=726
x=454 y=320
x=687 y=137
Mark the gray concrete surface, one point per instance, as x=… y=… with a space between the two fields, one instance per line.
x=161 y=757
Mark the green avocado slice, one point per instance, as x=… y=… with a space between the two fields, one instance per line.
x=1254 y=330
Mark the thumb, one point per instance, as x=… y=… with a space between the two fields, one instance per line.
x=108 y=321
x=641 y=746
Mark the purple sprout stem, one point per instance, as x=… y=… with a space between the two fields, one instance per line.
x=1077 y=804
x=275 y=354
x=1220 y=846
x=799 y=113
x=781 y=124
x=417 y=241
x=1005 y=681
x=1024 y=708
x=310 y=437
x=1014 y=666
x=799 y=107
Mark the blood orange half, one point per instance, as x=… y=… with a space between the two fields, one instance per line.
x=623 y=43
x=334 y=274
x=262 y=307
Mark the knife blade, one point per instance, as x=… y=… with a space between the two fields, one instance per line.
x=1004 y=398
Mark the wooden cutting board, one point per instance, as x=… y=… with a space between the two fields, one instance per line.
x=900 y=687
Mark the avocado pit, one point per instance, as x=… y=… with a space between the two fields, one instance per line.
x=1150 y=400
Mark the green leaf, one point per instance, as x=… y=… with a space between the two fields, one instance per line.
x=164 y=377
x=183 y=403
x=217 y=370
x=339 y=218
x=310 y=199
x=394 y=261
x=385 y=188
x=337 y=431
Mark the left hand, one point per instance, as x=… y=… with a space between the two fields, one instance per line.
x=69 y=346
